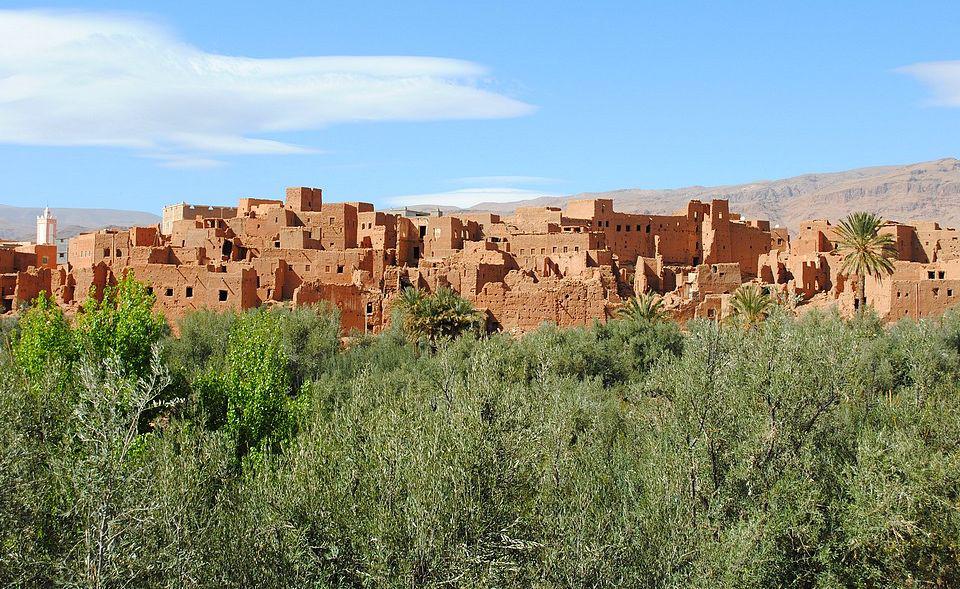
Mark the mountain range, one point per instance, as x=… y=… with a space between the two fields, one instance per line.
x=20 y=223
x=928 y=191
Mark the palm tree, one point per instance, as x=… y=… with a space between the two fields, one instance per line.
x=444 y=314
x=450 y=315
x=751 y=304
x=865 y=251
x=647 y=307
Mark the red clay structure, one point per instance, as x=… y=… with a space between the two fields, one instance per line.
x=567 y=266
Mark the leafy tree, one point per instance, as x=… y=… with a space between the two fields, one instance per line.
x=751 y=304
x=864 y=250
x=435 y=317
x=123 y=326
x=646 y=307
x=311 y=337
x=111 y=470
x=259 y=410
x=202 y=341
x=44 y=338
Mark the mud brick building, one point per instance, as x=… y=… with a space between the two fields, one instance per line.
x=569 y=266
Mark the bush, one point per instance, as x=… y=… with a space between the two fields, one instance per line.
x=807 y=453
x=44 y=342
x=123 y=326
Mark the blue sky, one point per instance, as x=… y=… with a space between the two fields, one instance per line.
x=108 y=104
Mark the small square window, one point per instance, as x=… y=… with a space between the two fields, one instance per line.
x=189 y=292
x=931 y=274
x=941 y=274
x=306 y=268
x=222 y=295
x=168 y=292
x=949 y=292
x=339 y=269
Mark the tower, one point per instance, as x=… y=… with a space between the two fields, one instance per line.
x=46 y=228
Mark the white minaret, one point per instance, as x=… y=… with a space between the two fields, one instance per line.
x=46 y=228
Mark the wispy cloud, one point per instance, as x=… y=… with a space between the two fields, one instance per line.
x=941 y=77
x=467 y=197
x=96 y=79
x=506 y=180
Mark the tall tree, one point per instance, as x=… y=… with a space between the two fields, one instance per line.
x=865 y=251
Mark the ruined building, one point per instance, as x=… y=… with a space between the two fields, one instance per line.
x=568 y=266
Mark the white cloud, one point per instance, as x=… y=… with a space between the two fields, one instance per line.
x=504 y=180
x=467 y=197
x=942 y=77
x=76 y=78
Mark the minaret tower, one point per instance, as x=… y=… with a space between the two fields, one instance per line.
x=46 y=228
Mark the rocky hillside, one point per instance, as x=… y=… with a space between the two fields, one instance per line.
x=924 y=191
x=20 y=223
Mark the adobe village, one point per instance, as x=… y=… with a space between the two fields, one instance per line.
x=541 y=264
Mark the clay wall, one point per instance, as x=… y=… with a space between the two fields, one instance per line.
x=377 y=230
x=178 y=212
x=179 y=289
x=89 y=249
x=301 y=198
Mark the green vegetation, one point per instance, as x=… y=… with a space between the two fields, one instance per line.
x=255 y=451
x=646 y=307
x=751 y=304
x=865 y=251
x=428 y=319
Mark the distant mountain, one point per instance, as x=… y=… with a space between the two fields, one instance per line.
x=925 y=191
x=20 y=223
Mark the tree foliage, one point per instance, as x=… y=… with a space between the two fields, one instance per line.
x=44 y=345
x=814 y=452
x=431 y=318
x=122 y=326
x=751 y=304
x=646 y=307
x=864 y=250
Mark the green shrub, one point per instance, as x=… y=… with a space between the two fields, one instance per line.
x=44 y=342
x=122 y=326
x=816 y=452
